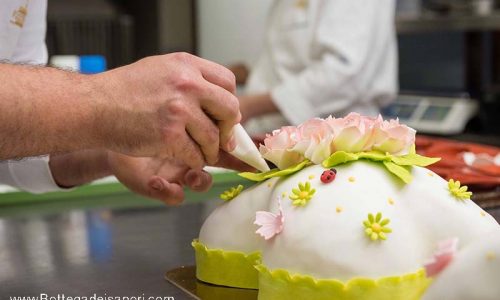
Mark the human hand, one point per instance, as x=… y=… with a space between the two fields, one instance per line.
x=164 y=179
x=176 y=107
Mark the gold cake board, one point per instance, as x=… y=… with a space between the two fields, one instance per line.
x=185 y=279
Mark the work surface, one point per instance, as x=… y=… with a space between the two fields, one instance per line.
x=107 y=244
x=109 y=252
x=98 y=240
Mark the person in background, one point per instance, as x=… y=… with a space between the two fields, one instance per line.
x=153 y=124
x=321 y=57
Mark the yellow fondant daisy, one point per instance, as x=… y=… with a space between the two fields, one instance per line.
x=459 y=192
x=303 y=194
x=231 y=193
x=376 y=228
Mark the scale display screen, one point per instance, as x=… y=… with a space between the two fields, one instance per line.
x=436 y=113
x=402 y=111
x=431 y=114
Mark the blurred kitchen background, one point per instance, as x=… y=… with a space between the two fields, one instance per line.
x=449 y=50
x=103 y=239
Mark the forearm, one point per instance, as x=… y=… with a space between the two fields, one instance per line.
x=80 y=167
x=256 y=105
x=43 y=110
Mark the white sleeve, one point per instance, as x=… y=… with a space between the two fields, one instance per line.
x=29 y=174
x=343 y=37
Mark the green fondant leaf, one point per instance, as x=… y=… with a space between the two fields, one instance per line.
x=398 y=165
x=375 y=156
x=275 y=172
x=258 y=176
x=339 y=157
x=413 y=149
x=400 y=171
x=414 y=160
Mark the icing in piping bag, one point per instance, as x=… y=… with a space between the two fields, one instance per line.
x=246 y=150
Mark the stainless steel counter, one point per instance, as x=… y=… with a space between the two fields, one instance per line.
x=107 y=252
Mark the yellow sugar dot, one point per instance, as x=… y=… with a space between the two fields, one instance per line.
x=483 y=214
x=391 y=201
x=311 y=177
x=490 y=255
x=339 y=209
x=269 y=184
x=283 y=195
x=351 y=179
x=430 y=174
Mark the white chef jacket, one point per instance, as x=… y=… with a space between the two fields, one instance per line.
x=22 y=40
x=325 y=57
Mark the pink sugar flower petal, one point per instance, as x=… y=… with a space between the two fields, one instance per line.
x=442 y=257
x=270 y=224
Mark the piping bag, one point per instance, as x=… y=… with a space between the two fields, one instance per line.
x=246 y=150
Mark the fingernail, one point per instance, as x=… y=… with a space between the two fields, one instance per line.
x=157 y=185
x=197 y=182
x=231 y=144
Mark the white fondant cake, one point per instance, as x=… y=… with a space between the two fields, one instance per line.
x=473 y=274
x=320 y=241
x=373 y=220
x=230 y=226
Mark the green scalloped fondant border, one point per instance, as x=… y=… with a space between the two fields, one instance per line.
x=228 y=268
x=237 y=269
x=280 y=285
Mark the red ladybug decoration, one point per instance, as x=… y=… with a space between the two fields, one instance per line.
x=328 y=175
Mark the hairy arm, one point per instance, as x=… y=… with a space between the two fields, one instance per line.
x=136 y=110
x=46 y=110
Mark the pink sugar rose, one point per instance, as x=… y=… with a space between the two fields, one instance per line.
x=392 y=137
x=353 y=133
x=315 y=137
x=278 y=146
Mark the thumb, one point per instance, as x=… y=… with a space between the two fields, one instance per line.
x=168 y=193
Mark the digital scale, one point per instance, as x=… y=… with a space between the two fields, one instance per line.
x=432 y=114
